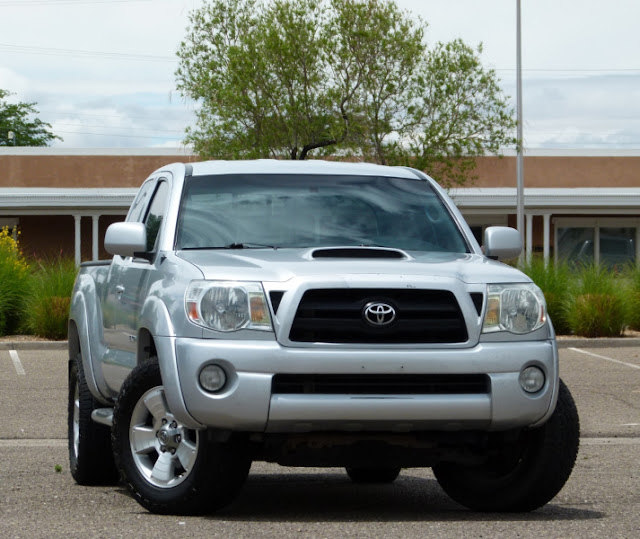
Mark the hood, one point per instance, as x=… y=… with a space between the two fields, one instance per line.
x=281 y=265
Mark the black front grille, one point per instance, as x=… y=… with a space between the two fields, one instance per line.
x=337 y=316
x=381 y=384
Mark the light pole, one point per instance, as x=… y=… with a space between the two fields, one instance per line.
x=12 y=138
x=519 y=141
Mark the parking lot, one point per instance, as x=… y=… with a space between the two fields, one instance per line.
x=38 y=497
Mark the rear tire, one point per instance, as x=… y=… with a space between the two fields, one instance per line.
x=527 y=474
x=90 y=456
x=373 y=474
x=168 y=468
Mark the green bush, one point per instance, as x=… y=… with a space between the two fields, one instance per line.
x=47 y=304
x=597 y=303
x=14 y=279
x=555 y=281
x=632 y=276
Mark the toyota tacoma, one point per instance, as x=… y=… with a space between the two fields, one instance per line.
x=317 y=314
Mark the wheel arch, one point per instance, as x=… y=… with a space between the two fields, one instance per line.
x=156 y=338
x=79 y=342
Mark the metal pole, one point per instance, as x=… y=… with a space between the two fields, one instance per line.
x=519 y=138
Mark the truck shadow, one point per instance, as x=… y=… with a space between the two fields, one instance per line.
x=332 y=497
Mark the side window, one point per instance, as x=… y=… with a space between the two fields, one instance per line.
x=155 y=214
x=136 y=213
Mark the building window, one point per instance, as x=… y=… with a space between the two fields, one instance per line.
x=575 y=245
x=617 y=246
x=611 y=242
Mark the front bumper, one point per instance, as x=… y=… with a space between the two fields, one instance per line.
x=247 y=403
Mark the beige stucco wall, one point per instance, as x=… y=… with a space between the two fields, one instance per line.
x=131 y=170
x=80 y=170
x=565 y=171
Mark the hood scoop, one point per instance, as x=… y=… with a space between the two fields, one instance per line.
x=359 y=252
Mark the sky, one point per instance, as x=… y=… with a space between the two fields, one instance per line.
x=102 y=71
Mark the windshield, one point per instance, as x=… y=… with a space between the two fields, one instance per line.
x=279 y=211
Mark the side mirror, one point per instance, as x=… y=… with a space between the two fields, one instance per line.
x=502 y=242
x=126 y=239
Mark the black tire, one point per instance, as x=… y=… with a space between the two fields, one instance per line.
x=175 y=470
x=90 y=456
x=373 y=474
x=527 y=474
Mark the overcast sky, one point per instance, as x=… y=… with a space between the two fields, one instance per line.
x=102 y=71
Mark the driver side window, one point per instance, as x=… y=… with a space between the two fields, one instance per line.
x=155 y=215
x=141 y=202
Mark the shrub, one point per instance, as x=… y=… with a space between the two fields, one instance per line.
x=554 y=280
x=14 y=278
x=47 y=304
x=632 y=275
x=596 y=306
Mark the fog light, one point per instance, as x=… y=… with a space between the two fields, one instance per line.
x=532 y=379
x=212 y=378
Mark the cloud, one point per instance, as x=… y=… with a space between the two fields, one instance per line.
x=597 y=111
x=128 y=120
x=13 y=81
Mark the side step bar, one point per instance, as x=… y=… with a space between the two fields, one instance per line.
x=104 y=416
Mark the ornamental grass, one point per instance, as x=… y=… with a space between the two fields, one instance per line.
x=597 y=304
x=555 y=281
x=47 y=304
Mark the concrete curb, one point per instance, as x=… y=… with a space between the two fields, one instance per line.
x=33 y=345
x=609 y=342
x=563 y=342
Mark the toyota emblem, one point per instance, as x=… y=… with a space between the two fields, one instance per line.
x=379 y=314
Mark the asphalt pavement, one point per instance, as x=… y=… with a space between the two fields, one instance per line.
x=38 y=497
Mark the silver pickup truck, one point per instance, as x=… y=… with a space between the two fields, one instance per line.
x=312 y=314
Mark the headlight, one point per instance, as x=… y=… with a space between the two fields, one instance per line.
x=517 y=308
x=227 y=306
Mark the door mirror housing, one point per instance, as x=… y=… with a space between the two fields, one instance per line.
x=502 y=242
x=126 y=239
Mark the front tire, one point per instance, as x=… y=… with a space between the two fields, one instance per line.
x=168 y=468
x=527 y=473
x=90 y=456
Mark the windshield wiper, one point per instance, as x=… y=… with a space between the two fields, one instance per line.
x=232 y=246
x=247 y=245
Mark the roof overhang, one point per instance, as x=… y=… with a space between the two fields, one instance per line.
x=38 y=198
x=14 y=200
x=565 y=199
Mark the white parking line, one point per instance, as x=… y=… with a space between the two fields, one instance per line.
x=605 y=358
x=62 y=442
x=609 y=441
x=16 y=362
x=31 y=442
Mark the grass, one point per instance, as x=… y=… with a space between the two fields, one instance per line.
x=597 y=305
x=632 y=275
x=588 y=300
x=47 y=304
x=555 y=281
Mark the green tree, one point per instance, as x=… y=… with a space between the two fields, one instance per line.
x=460 y=113
x=21 y=120
x=291 y=78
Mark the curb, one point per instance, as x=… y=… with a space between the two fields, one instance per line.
x=608 y=342
x=33 y=345
x=563 y=342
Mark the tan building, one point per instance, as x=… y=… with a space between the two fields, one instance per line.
x=578 y=204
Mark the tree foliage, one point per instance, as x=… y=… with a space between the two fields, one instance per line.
x=21 y=120
x=294 y=78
